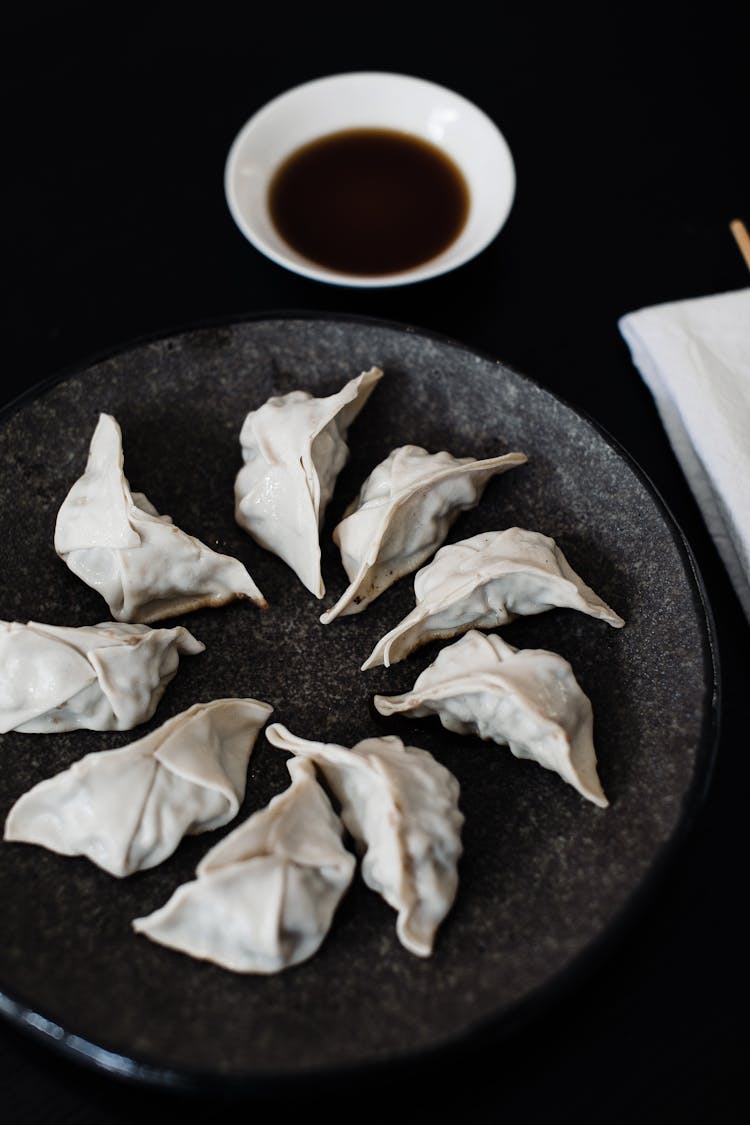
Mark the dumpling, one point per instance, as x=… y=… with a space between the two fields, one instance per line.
x=403 y=513
x=266 y=894
x=527 y=699
x=294 y=447
x=98 y=677
x=484 y=582
x=401 y=807
x=128 y=809
x=144 y=567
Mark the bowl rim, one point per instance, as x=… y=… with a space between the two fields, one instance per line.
x=287 y=257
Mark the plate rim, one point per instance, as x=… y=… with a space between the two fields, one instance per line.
x=141 y=1070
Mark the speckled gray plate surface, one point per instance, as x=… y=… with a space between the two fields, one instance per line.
x=544 y=874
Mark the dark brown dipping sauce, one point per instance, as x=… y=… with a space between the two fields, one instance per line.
x=369 y=201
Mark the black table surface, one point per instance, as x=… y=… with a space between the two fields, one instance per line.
x=630 y=143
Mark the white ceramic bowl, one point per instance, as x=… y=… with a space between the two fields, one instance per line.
x=370 y=100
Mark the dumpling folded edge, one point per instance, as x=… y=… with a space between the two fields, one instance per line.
x=358 y=595
x=302 y=873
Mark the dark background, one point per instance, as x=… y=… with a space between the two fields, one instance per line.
x=631 y=147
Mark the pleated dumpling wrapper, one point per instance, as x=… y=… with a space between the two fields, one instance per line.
x=404 y=511
x=484 y=582
x=96 y=677
x=527 y=699
x=401 y=807
x=294 y=447
x=144 y=567
x=266 y=894
x=128 y=809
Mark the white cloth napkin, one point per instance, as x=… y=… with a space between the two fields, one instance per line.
x=695 y=358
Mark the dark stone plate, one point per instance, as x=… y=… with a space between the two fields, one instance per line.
x=545 y=875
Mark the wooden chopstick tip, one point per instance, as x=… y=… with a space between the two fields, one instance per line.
x=742 y=238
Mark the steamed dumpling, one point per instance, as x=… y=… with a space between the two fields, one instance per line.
x=403 y=513
x=401 y=807
x=266 y=894
x=294 y=447
x=128 y=809
x=527 y=699
x=98 y=677
x=484 y=582
x=144 y=567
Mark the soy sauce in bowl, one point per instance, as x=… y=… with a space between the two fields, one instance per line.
x=369 y=201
